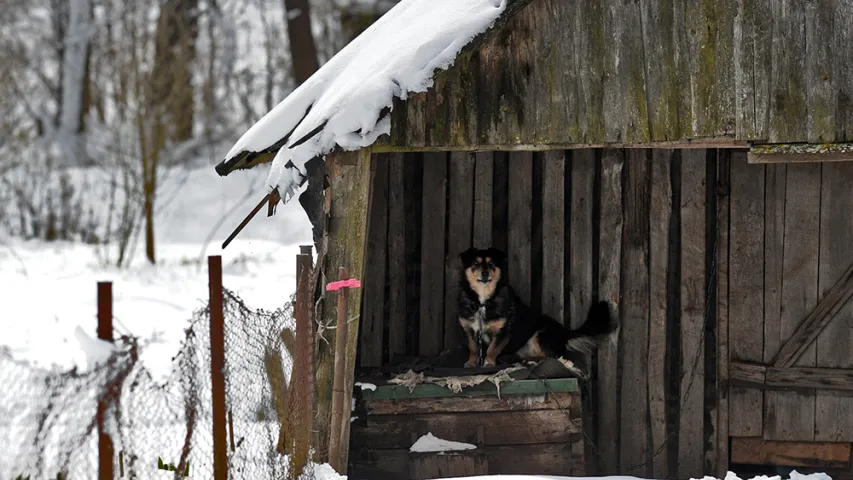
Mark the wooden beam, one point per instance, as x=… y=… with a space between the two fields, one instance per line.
x=814 y=323
x=799 y=157
x=381 y=146
x=781 y=378
x=757 y=451
x=428 y=390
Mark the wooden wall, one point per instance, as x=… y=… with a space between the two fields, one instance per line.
x=638 y=227
x=615 y=72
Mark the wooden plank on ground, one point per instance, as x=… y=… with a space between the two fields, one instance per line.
x=553 y=233
x=373 y=317
x=746 y=288
x=790 y=415
x=432 y=254
x=820 y=59
x=543 y=401
x=609 y=281
x=520 y=214
x=459 y=235
x=633 y=432
x=396 y=255
x=788 y=84
x=834 y=412
x=483 y=178
x=719 y=461
x=659 y=237
x=693 y=308
x=757 y=451
x=517 y=427
x=580 y=228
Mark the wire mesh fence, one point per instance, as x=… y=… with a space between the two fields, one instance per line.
x=55 y=423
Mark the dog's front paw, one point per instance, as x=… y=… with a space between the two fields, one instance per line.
x=470 y=363
x=489 y=363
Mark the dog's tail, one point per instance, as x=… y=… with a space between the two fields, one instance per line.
x=600 y=324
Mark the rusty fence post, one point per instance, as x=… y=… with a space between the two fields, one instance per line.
x=105 y=332
x=303 y=363
x=217 y=368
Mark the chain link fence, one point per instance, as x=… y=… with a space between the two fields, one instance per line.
x=51 y=422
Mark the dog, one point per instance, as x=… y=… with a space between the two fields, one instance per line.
x=493 y=316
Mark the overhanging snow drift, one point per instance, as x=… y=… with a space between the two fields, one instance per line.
x=347 y=102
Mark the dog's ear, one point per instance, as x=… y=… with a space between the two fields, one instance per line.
x=497 y=256
x=467 y=257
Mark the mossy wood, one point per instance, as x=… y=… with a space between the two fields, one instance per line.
x=606 y=72
x=518 y=387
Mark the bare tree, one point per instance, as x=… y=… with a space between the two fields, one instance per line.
x=302 y=48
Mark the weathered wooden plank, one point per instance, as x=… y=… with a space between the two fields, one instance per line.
x=520 y=222
x=794 y=378
x=499 y=428
x=349 y=176
x=373 y=317
x=718 y=458
x=426 y=466
x=431 y=327
x=413 y=171
x=500 y=201
x=609 y=278
x=543 y=401
x=843 y=71
x=539 y=459
x=693 y=302
x=743 y=48
x=580 y=228
x=397 y=200
x=589 y=56
x=635 y=314
x=459 y=238
x=790 y=416
x=553 y=233
x=750 y=375
x=484 y=176
x=788 y=83
x=429 y=390
x=758 y=157
x=757 y=451
x=746 y=288
x=834 y=413
x=661 y=68
x=819 y=58
x=659 y=238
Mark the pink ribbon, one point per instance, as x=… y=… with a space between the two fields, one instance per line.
x=351 y=283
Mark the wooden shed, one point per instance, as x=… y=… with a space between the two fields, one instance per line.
x=691 y=162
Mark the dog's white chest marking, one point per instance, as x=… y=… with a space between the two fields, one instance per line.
x=479 y=324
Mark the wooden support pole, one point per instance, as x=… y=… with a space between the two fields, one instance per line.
x=303 y=368
x=338 y=398
x=217 y=368
x=105 y=332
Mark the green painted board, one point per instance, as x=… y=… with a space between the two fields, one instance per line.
x=518 y=387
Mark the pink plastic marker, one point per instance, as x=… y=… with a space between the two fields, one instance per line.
x=351 y=283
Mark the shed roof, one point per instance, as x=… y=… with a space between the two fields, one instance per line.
x=347 y=102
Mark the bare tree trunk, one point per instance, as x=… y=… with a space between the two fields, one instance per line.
x=177 y=29
x=303 y=51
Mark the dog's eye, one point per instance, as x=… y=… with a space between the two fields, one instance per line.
x=476 y=263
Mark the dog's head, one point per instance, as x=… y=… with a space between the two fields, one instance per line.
x=483 y=268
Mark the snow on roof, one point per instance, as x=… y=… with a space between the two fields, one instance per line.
x=347 y=102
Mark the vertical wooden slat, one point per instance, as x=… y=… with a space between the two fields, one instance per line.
x=659 y=228
x=661 y=66
x=788 y=91
x=790 y=415
x=413 y=170
x=819 y=59
x=483 y=178
x=373 y=315
x=693 y=311
x=553 y=232
x=500 y=196
x=580 y=258
x=746 y=284
x=843 y=73
x=432 y=254
x=719 y=462
x=774 y=238
x=459 y=226
x=396 y=255
x=519 y=219
x=834 y=410
x=609 y=279
x=635 y=316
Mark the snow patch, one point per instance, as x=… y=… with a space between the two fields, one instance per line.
x=341 y=103
x=431 y=443
x=366 y=386
x=97 y=351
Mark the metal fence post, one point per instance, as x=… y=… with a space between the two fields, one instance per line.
x=217 y=368
x=105 y=332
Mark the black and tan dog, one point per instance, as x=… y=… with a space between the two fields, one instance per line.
x=493 y=316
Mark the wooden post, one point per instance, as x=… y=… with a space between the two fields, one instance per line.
x=338 y=398
x=217 y=368
x=105 y=332
x=303 y=365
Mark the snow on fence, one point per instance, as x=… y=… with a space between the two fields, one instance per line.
x=116 y=421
